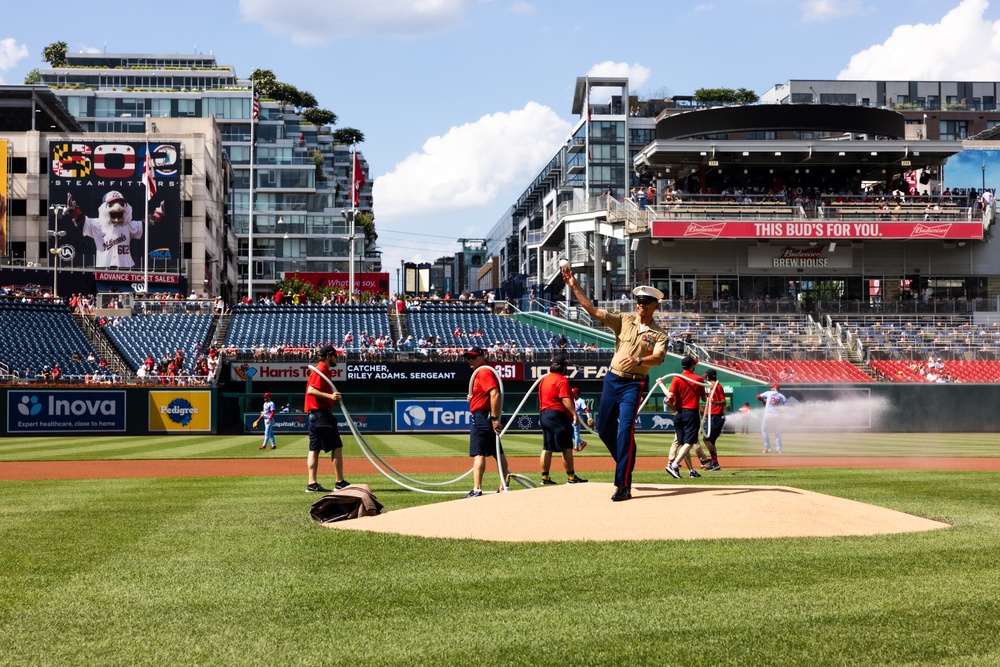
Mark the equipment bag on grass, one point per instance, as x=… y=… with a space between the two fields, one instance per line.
x=347 y=503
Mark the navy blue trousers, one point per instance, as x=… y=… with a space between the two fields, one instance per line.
x=616 y=415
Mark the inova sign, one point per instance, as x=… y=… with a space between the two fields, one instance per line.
x=66 y=411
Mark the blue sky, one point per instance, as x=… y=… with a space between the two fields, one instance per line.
x=463 y=101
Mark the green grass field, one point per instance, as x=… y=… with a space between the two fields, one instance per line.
x=231 y=571
x=515 y=444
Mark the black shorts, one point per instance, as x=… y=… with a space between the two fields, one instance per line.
x=557 y=430
x=324 y=436
x=482 y=437
x=686 y=425
x=715 y=427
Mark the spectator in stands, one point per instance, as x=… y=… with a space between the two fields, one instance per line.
x=46 y=374
x=90 y=356
x=56 y=373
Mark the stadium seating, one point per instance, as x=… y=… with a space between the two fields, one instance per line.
x=900 y=370
x=38 y=334
x=476 y=325
x=303 y=325
x=139 y=336
x=795 y=371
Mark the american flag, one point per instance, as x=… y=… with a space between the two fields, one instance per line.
x=148 y=175
x=256 y=105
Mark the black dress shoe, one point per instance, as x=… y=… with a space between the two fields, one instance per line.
x=621 y=493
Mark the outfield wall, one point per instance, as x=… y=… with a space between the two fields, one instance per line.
x=110 y=411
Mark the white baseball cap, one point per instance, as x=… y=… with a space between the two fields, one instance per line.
x=114 y=195
x=645 y=291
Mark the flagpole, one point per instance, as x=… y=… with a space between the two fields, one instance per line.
x=253 y=123
x=350 y=230
x=145 y=231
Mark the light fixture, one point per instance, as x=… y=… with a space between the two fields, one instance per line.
x=874 y=153
x=841 y=154
x=777 y=153
x=746 y=153
x=833 y=246
x=153 y=125
x=281 y=220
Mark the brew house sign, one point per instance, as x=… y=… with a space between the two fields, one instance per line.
x=791 y=257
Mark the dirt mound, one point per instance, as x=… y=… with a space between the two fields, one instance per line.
x=656 y=512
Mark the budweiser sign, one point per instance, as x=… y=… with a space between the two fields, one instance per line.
x=712 y=230
x=930 y=231
x=801 y=258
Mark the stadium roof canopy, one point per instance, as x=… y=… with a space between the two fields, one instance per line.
x=34 y=108
x=865 y=140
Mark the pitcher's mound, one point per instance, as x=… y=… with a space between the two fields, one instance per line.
x=655 y=512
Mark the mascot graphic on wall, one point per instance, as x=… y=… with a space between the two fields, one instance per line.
x=113 y=229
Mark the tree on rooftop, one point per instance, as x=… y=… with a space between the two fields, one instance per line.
x=263 y=81
x=33 y=77
x=349 y=136
x=746 y=96
x=55 y=54
x=306 y=100
x=320 y=116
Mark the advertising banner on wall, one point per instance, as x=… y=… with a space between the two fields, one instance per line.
x=375 y=283
x=180 y=411
x=65 y=411
x=874 y=229
x=298 y=423
x=798 y=257
x=101 y=185
x=414 y=416
x=277 y=371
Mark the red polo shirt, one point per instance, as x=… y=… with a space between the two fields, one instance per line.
x=317 y=402
x=551 y=390
x=481 y=386
x=688 y=396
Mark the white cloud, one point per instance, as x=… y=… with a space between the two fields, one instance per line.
x=825 y=10
x=318 y=21
x=470 y=165
x=962 y=46
x=10 y=53
x=637 y=74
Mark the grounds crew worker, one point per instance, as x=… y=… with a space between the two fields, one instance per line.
x=639 y=345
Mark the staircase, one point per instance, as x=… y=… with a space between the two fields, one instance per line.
x=217 y=331
x=399 y=328
x=103 y=346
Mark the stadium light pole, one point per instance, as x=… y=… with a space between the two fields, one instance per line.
x=984 y=178
x=56 y=210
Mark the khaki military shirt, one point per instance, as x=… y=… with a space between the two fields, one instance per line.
x=631 y=342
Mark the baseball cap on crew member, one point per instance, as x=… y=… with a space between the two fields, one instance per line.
x=647 y=293
x=559 y=358
x=473 y=352
x=327 y=350
x=688 y=362
x=711 y=374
